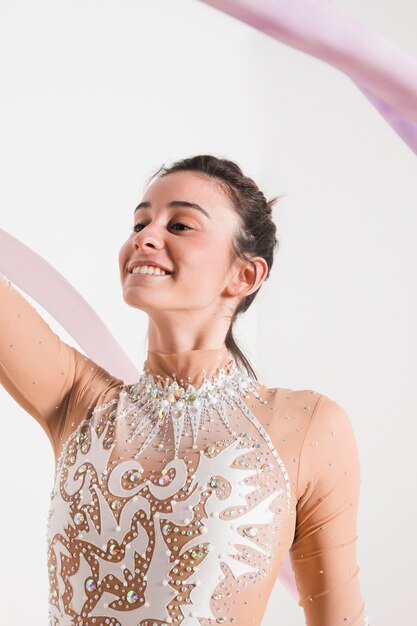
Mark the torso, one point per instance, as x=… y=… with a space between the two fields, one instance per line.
x=121 y=553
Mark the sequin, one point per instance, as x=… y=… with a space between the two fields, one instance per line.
x=80 y=437
x=90 y=584
x=218 y=596
x=132 y=596
x=79 y=518
x=113 y=549
x=197 y=554
x=210 y=450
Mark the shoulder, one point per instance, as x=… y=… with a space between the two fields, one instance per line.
x=308 y=412
x=330 y=415
x=291 y=411
x=92 y=385
x=301 y=402
x=329 y=451
x=308 y=402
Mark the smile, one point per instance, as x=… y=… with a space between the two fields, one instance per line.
x=149 y=270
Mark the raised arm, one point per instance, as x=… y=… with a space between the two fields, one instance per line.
x=323 y=554
x=46 y=376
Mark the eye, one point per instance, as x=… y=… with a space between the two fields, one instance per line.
x=135 y=227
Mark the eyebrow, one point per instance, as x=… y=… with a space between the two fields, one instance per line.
x=175 y=204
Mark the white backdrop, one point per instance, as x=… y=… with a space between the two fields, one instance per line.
x=97 y=94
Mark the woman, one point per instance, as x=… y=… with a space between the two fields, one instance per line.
x=177 y=496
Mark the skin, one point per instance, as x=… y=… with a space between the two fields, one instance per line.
x=191 y=308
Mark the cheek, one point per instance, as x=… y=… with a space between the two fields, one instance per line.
x=218 y=254
x=214 y=261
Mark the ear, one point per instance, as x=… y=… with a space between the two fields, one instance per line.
x=247 y=277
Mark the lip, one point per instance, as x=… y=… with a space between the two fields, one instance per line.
x=150 y=263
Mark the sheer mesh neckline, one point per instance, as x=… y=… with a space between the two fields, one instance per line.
x=190 y=365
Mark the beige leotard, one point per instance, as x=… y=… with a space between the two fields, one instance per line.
x=196 y=537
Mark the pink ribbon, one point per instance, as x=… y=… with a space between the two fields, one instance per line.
x=386 y=74
x=56 y=295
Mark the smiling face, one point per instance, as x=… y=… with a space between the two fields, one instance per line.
x=194 y=244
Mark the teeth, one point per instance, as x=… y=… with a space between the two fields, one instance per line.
x=148 y=269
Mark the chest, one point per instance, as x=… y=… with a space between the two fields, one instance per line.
x=153 y=536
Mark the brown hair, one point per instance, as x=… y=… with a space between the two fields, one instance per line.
x=257 y=232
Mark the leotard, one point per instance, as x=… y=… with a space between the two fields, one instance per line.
x=174 y=504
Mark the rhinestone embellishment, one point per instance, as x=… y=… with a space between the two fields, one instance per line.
x=157 y=402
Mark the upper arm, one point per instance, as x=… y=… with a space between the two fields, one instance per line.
x=39 y=370
x=323 y=554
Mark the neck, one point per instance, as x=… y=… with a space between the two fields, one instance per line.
x=190 y=366
x=183 y=331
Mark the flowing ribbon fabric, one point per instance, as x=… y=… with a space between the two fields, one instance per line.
x=56 y=295
x=385 y=74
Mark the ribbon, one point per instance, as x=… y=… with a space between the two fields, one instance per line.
x=386 y=74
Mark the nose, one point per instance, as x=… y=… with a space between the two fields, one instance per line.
x=148 y=236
